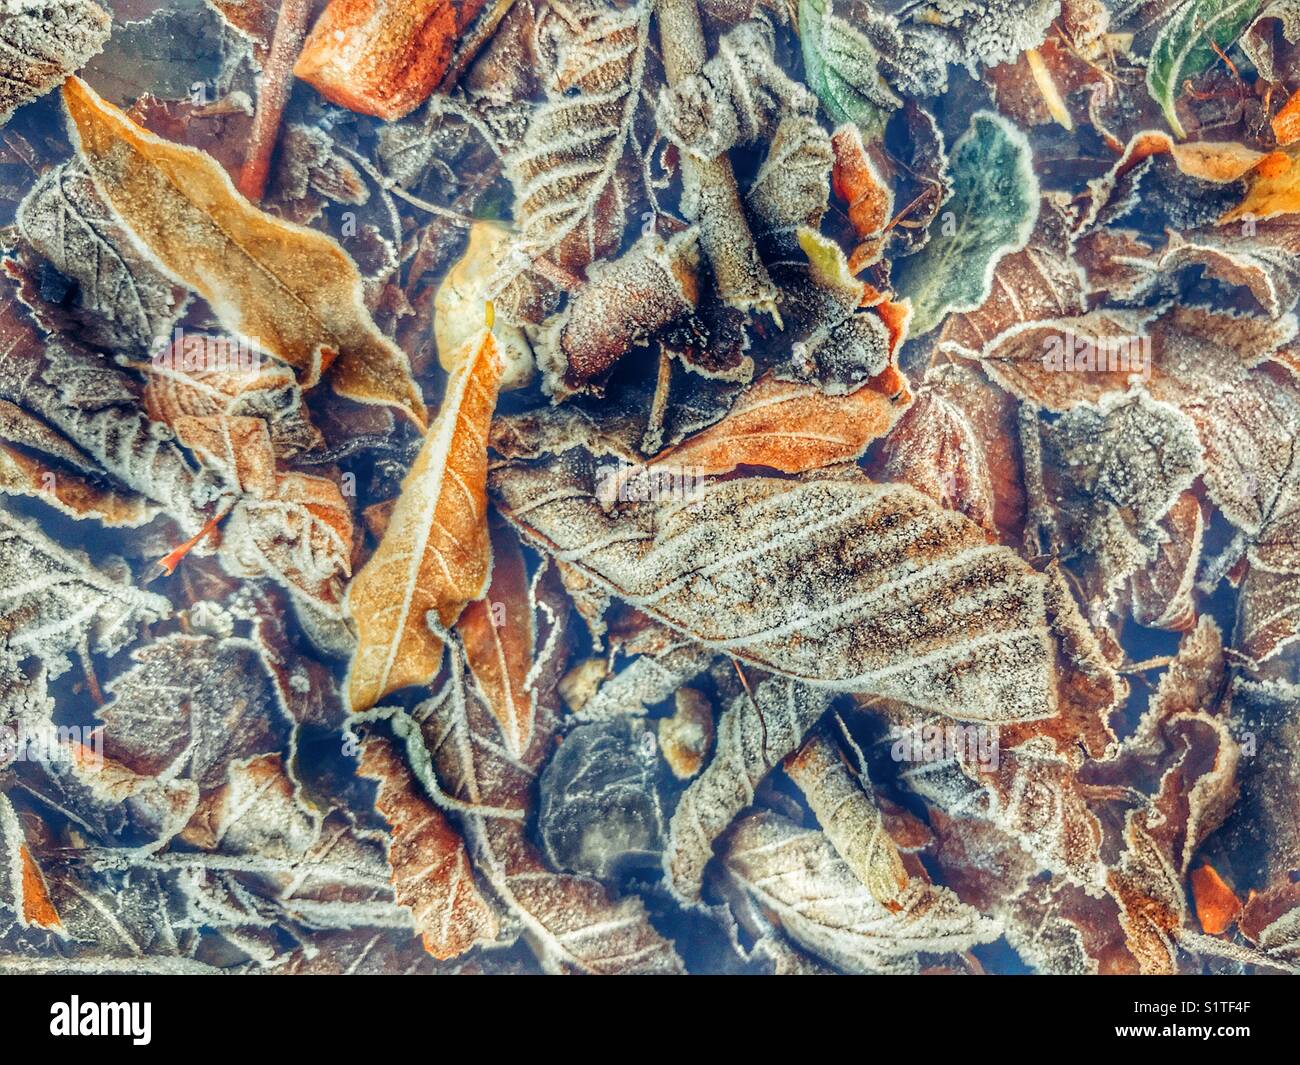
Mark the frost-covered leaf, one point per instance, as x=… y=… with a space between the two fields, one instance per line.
x=755 y=732
x=841 y=583
x=189 y=706
x=793 y=427
x=992 y=212
x=795 y=875
x=292 y=289
x=54 y=598
x=44 y=42
x=570 y=189
x=1186 y=45
x=123 y=300
x=499 y=637
x=430 y=866
x=840 y=797
x=435 y=555
x=737 y=98
x=956 y=444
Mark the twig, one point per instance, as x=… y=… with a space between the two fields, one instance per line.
x=277 y=84
x=710 y=197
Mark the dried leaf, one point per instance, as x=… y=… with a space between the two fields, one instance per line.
x=755 y=732
x=122 y=299
x=430 y=867
x=53 y=598
x=383 y=58
x=793 y=427
x=44 y=42
x=839 y=796
x=841 y=583
x=499 y=640
x=435 y=555
x=795 y=875
x=292 y=289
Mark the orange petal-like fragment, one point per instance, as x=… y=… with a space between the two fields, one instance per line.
x=1217 y=907
x=383 y=57
x=1286 y=123
x=37 y=907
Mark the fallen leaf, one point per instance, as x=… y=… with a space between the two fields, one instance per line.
x=430 y=866
x=497 y=631
x=44 y=44
x=291 y=289
x=993 y=209
x=795 y=875
x=840 y=583
x=435 y=555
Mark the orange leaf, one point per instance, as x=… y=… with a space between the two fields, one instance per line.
x=435 y=555
x=37 y=907
x=1216 y=905
x=870 y=201
x=292 y=290
x=498 y=635
x=1286 y=123
x=793 y=427
x=1274 y=190
x=427 y=859
x=383 y=57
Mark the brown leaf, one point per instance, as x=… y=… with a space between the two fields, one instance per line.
x=430 y=866
x=435 y=555
x=292 y=289
x=839 y=582
x=956 y=444
x=45 y=43
x=793 y=427
x=498 y=635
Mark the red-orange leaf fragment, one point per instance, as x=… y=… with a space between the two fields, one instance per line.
x=383 y=57
x=1216 y=904
x=428 y=860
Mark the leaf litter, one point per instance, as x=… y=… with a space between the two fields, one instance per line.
x=800 y=488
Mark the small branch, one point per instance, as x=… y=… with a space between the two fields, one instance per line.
x=710 y=197
x=277 y=84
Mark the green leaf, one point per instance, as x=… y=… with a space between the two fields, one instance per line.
x=1183 y=47
x=842 y=68
x=993 y=208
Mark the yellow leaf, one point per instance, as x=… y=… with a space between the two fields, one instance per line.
x=457 y=308
x=292 y=290
x=1274 y=190
x=435 y=555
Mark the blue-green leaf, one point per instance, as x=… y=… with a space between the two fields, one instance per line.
x=1185 y=46
x=992 y=210
x=842 y=68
